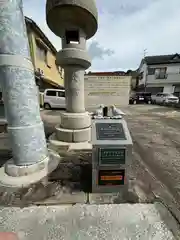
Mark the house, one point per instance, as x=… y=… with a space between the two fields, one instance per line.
x=160 y=74
x=106 y=88
x=43 y=55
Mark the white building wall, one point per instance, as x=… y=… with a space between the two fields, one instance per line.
x=143 y=69
x=107 y=90
x=173 y=69
x=173 y=74
x=175 y=66
x=168 y=88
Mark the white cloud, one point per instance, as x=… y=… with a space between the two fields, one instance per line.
x=126 y=28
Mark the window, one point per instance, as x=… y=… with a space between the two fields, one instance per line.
x=61 y=94
x=41 y=52
x=51 y=93
x=160 y=73
x=151 y=71
x=72 y=37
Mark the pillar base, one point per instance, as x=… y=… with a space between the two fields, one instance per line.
x=64 y=147
x=69 y=135
x=12 y=175
x=75 y=120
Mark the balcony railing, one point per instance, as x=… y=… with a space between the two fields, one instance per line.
x=161 y=76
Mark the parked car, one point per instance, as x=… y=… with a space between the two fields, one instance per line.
x=140 y=97
x=54 y=98
x=164 y=98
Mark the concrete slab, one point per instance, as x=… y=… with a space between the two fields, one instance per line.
x=65 y=198
x=110 y=198
x=88 y=222
x=105 y=198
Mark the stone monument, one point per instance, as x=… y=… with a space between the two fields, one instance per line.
x=30 y=160
x=75 y=22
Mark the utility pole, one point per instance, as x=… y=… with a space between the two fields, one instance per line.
x=25 y=127
x=145 y=52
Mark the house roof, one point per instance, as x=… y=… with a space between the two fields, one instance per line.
x=37 y=29
x=162 y=59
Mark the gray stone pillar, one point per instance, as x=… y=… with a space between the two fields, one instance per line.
x=74 y=31
x=25 y=127
x=74 y=87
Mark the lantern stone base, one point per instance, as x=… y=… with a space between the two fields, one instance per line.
x=22 y=176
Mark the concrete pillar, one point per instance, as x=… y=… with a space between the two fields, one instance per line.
x=74 y=31
x=25 y=127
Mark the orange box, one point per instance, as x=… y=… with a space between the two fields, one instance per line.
x=111 y=178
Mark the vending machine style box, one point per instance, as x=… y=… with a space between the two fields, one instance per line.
x=111 y=154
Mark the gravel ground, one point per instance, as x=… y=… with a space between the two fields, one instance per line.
x=156 y=136
x=155 y=168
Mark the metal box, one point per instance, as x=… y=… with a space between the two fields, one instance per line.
x=111 y=153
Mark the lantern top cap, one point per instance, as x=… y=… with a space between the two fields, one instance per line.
x=63 y=14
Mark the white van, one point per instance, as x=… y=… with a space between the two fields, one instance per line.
x=54 y=98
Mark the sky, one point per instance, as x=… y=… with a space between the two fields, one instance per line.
x=125 y=29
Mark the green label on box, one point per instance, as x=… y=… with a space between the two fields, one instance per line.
x=112 y=156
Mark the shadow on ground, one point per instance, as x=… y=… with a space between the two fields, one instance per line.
x=5 y=155
x=55 y=111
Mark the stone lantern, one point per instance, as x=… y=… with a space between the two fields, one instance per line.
x=74 y=22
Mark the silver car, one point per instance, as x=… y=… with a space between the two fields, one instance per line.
x=168 y=98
